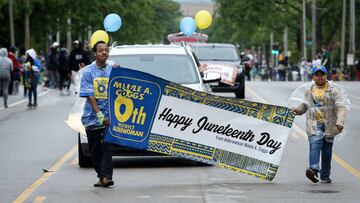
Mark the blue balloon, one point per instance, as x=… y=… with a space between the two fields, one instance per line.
x=187 y=26
x=112 y=22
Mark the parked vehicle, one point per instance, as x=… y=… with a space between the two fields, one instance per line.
x=224 y=55
x=176 y=63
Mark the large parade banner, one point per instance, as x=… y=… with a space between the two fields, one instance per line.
x=149 y=113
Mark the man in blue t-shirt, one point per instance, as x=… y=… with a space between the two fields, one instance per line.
x=94 y=84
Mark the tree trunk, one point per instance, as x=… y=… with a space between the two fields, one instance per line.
x=11 y=23
x=27 y=24
x=313 y=29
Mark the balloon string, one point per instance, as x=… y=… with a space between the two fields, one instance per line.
x=198 y=42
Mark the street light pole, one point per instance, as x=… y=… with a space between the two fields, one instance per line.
x=343 y=27
x=286 y=30
x=304 y=29
x=11 y=23
x=27 y=24
x=271 y=46
x=352 y=27
x=313 y=28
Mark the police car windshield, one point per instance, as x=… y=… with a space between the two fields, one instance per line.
x=175 y=68
x=216 y=53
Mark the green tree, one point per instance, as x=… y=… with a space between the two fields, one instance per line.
x=249 y=23
x=144 y=21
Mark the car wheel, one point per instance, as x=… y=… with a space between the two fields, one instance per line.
x=84 y=161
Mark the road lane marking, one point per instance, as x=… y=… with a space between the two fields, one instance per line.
x=28 y=191
x=184 y=197
x=335 y=157
x=74 y=161
x=25 y=100
x=143 y=197
x=347 y=166
x=39 y=199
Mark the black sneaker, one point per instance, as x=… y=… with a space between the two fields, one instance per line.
x=326 y=180
x=29 y=105
x=34 y=105
x=312 y=175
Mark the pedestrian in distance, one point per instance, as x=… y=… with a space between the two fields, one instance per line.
x=15 y=72
x=32 y=76
x=93 y=86
x=6 y=67
x=325 y=104
x=22 y=59
x=325 y=59
x=64 y=71
x=53 y=65
x=78 y=57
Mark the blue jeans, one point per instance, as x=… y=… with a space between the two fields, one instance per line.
x=319 y=144
x=33 y=91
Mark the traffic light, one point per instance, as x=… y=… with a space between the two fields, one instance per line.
x=275 y=49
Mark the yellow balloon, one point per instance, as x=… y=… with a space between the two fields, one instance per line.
x=99 y=35
x=203 y=19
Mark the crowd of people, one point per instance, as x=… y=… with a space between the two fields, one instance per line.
x=259 y=70
x=31 y=69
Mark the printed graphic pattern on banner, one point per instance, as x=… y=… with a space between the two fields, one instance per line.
x=267 y=112
x=152 y=114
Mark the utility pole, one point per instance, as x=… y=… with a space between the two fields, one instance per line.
x=271 y=46
x=58 y=31
x=343 y=27
x=286 y=30
x=11 y=23
x=313 y=28
x=68 y=34
x=27 y=24
x=304 y=28
x=352 y=28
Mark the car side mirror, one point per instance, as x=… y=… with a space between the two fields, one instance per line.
x=211 y=77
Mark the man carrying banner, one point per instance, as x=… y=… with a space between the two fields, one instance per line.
x=325 y=104
x=94 y=83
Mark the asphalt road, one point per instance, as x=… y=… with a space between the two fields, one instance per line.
x=33 y=140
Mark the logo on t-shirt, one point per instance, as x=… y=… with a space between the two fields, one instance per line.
x=100 y=88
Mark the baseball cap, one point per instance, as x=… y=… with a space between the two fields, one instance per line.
x=318 y=68
x=76 y=42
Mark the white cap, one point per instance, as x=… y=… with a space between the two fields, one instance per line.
x=35 y=68
x=55 y=44
x=31 y=53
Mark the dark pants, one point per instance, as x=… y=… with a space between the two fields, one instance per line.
x=100 y=153
x=64 y=77
x=247 y=74
x=282 y=74
x=11 y=83
x=33 y=91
